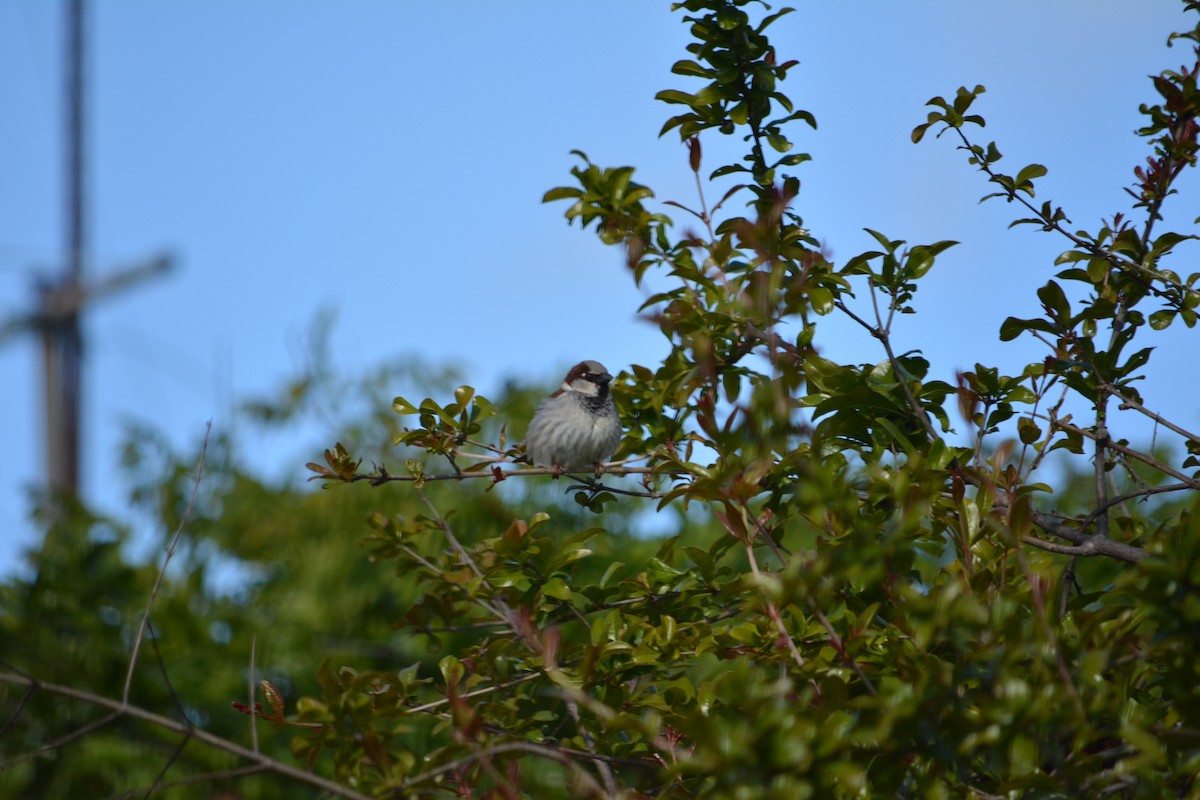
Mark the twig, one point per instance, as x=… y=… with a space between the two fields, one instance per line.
x=879 y=333
x=495 y=474
x=840 y=646
x=1123 y=450
x=1100 y=468
x=1129 y=402
x=1130 y=267
x=494 y=750
x=1069 y=581
x=137 y=642
x=485 y=690
x=250 y=690
x=121 y=708
x=78 y=733
x=526 y=634
x=834 y=639
x=773 y=612
x=20 y=707
x=1143 y=492
x=178 y=751
x=207 y=777
x=448 y=532
x=606 y=773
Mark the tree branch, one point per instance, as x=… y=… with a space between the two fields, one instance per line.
x=187 y=512
x=1129 y=402
x=1126 y=451
x=1086 y=545
x=120 y=708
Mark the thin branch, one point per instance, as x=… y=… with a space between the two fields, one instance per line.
x=175 y=754
x=448 y=532
x=1122 y=449
x=121 y=708
x=484 y=604
x=1085 y=545
x=773 y=612
x=496 y=474
x=485 y=690
x=1143 y=492
x=20 y=707
x=1130 y=267
x=840 y=646
x=207 y=777
x=879 y=333
x=606 y=773
x=489 y=752
x=78 y=733
x=773 y=340
x=834 y=639
x=1129 y=402
x=1099 y=465
x=137 y=642
x=250 y=690
x=1069 y=581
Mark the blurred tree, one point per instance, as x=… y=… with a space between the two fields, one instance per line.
x=857 y=601
x=261 y=565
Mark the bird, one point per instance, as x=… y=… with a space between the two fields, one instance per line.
x=577 y=427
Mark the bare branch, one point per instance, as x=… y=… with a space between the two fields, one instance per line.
x=250 y=688
x=121 y=708
x=17 y=713
x=137 y=642
x=1129 y=452
x=175 y=754
x=495 y=474
x=78 y=733
x=207 y=777
x=1086 y=545
x=1129 y=402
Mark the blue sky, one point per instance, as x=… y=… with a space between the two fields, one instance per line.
x=387 y=160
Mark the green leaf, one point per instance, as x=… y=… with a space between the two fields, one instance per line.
x=1160 y=320
x=1013 y=327
x=452 y=670
x=558 y=589
x=562 y=193
x=675 y=96
x=1055 y=300
x=686 y=67
x=821 y=299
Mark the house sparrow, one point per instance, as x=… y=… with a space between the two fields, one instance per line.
x=577 y=427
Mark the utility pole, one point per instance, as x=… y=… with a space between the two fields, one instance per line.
x=61 y=299
x=62 y=343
